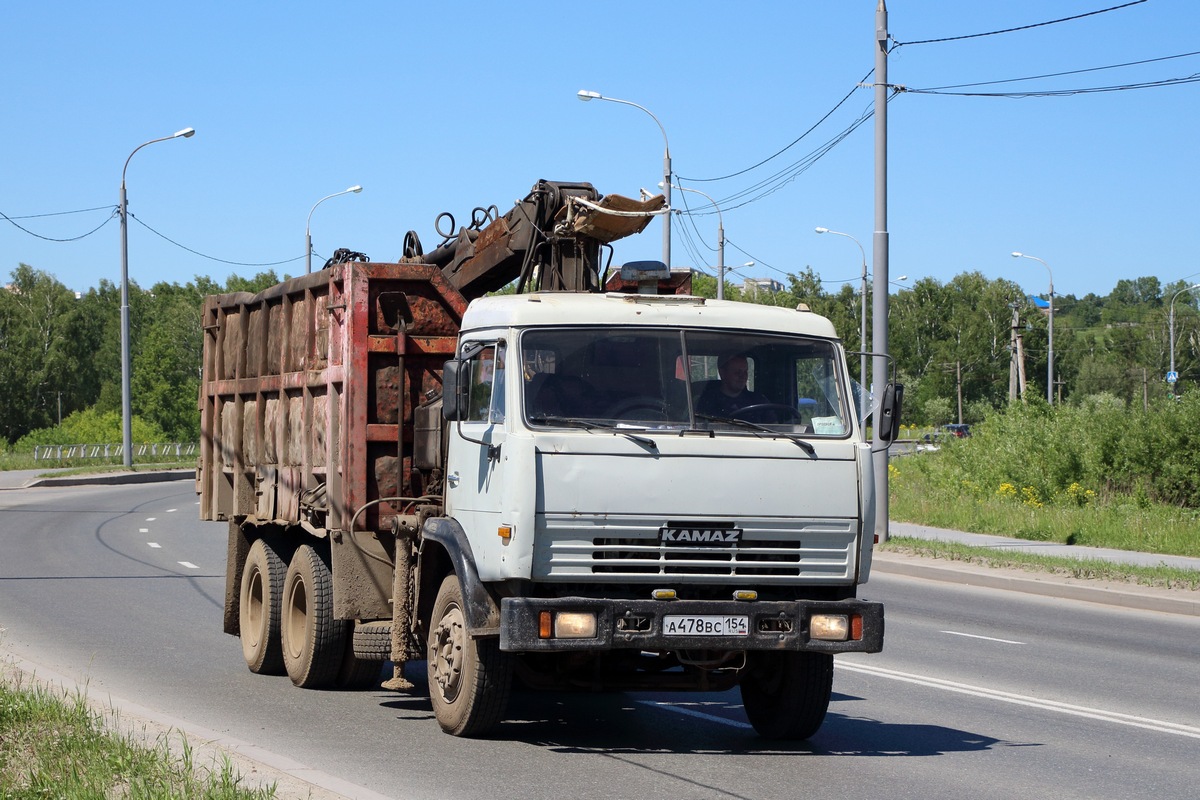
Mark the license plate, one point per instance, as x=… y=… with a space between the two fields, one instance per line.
x=705 y=625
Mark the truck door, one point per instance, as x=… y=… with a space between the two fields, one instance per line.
x=474 y=476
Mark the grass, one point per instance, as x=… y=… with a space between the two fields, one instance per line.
x=55 y=745
x=924 y=493
x=1088 y=569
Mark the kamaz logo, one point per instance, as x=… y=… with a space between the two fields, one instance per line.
x=701 y=536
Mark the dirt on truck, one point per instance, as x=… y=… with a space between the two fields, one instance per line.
x=598 y=481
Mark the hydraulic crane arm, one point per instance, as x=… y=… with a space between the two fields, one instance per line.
x=550 y=241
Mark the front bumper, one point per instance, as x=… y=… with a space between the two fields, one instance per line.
x=638 y=625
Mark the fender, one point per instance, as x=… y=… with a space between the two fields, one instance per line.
x=479 y=606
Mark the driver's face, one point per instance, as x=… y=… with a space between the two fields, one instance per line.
x=734 y=375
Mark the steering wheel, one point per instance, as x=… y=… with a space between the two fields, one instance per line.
x=649 y=408
x=795 y=413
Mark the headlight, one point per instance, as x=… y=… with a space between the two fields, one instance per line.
x=829 y=627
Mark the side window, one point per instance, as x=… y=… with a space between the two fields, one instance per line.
x=483 y=375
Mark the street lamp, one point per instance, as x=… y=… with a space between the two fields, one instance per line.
x=126 y=393
x=1172 y=316
x=862 y=366
x=308 y=233
x=1050 y=346
x=585 y=95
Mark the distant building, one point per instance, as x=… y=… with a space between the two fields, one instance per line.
x=755 y=285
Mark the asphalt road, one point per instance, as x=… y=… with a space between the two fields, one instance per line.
x=979 y=693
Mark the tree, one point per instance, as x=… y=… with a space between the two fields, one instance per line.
x=38 y=354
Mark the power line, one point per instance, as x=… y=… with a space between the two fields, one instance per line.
x=214 y=258
x=1193 y=78
x=12 y=220
x=1060 y=74
x=794 y=141
x=1019 y=28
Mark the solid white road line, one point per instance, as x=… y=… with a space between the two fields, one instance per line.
x=1158 y=725
x=985 y=638
x=687 y=712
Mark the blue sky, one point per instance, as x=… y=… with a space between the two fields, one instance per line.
x=447 y=106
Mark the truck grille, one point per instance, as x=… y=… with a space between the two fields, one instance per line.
x=770 y=551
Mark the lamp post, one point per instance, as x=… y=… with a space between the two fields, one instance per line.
x=862 y=366
x=585 y=95
x=307 y=225
x=1172 y=317
x=1050 y=346
x=126 y=393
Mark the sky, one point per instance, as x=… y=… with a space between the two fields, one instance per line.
x=449 y=106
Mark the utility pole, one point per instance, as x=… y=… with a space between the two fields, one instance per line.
x=879 y=331
x=1012 y=352
x=958 y=380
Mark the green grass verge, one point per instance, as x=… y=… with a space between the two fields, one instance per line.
x=56 y=746
x=924 y=491
x=1089 y=569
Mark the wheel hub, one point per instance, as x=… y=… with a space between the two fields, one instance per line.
x=446 y=652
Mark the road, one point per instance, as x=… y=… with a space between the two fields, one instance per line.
x=978 y=693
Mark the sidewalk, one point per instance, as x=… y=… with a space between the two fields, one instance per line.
x=1125 y=595
x=28 y=478
x=1041 y=548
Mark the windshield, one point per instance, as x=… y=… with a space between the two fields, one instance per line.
x=683 y=379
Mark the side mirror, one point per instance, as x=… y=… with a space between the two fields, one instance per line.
x=889 y=412
x=455 y=379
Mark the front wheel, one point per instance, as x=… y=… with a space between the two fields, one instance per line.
x=469 y=679
x=786 y=694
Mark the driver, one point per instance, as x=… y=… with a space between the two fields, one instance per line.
x=727 y=396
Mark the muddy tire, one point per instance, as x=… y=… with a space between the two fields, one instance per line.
x=469 y=679
x=357 y=673
x=259 y=609
x=314 y=643
x=786 y=694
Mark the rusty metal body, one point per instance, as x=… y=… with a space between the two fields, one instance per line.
x=308 y=399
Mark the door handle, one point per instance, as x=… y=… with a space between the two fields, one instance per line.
x=452 y=479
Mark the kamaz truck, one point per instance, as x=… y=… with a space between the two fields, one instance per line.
x=519 y=465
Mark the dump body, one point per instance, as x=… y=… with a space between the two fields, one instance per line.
x=309 y=394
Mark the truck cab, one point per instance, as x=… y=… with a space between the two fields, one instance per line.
x=619 y=519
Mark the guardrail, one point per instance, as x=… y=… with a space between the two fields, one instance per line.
x=64 y=452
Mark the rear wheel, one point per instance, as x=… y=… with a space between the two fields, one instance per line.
x=469 y=679
x=314 y=643
x=786 y=694
x=259 y=609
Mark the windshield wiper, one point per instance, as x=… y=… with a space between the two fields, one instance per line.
x=569 y=422
x=756 y=428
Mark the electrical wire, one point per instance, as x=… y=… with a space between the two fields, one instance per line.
x=214 y=258
x=794 y=142
x=897 y=43
x=1193 y=78
x=1068 y=72
x=109 y=219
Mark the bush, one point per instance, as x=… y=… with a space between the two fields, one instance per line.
x=1101 y=446
x=90 y=427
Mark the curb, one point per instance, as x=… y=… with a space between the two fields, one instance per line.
x=114 y=478
x=1143 y=598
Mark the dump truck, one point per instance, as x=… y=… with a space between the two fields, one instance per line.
x=511 y=461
